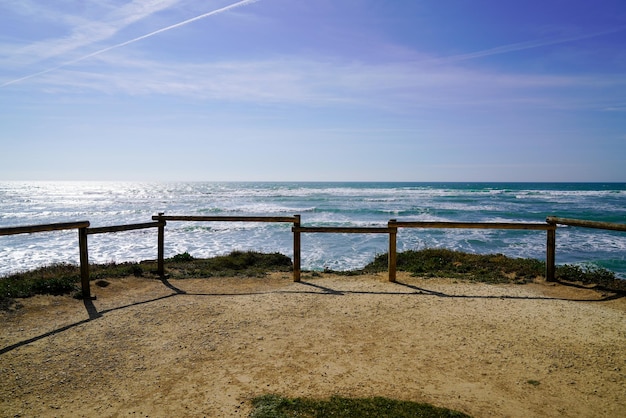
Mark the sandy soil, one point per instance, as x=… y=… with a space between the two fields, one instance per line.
x=205 y=347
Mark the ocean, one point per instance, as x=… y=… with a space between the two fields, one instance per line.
x=319 y=204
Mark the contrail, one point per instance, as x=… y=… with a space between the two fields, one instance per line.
x=520 y=46
x=156 y=32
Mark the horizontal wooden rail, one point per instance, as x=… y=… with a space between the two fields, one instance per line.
x=473 y=225
x=548 y=227
x=84 y=251
x=120 y=228
x=162 y=218
x=81 y=226
x=291 y=219
x=344 y=229
x=392 y=229
x=586 y=224
x=43 y=228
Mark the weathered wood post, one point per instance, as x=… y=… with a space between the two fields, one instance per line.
x=551 y=252
x=392 y=257
x=84 y=263
x=161 y=246
x=296 y=248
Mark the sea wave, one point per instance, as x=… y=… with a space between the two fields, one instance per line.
x=321 y=204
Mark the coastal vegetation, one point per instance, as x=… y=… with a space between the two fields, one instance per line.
x=63 y=278
x=492 y=268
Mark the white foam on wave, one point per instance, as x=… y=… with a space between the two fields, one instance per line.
x=26 y=252
x=268 y=208
x=340 y=251
x=570 y=196
x=322 y=204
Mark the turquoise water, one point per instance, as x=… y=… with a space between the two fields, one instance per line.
x=319 y=204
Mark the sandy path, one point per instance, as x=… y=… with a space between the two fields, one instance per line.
x=145 y=348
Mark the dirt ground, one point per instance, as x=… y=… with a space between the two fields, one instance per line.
x=205 y=347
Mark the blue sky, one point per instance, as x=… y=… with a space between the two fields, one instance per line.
x=300 y=90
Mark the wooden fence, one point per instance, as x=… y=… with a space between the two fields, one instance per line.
x=297 y=230
x=393 y=225
x=553 y=220
x=82 y=244
x=550 y=241
x=162 y=219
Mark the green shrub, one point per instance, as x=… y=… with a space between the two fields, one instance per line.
x=56 y=279
x=182 y=257
x=237 y=263
x=491 y=268
x=589 y=274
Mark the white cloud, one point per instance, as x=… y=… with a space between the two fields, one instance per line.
x=395 y=86
x=81 y=28
x=97 y=31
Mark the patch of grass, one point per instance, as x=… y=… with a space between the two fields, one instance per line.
x=490 y=268
x=274 y=406
x=237 y=263
x=589 y=274
x=57 y=279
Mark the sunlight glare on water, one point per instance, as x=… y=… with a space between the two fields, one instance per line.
x=320 y=204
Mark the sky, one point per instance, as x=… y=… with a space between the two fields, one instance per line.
x=301 y=90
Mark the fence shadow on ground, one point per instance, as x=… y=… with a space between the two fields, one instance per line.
x=316 y=289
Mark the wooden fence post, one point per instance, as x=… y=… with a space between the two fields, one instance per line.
x=84 y=263
x=296 y=248
x=392 y=257
x=161 y=246
x=551 y=254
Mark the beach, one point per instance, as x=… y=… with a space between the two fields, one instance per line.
x=205 y=347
